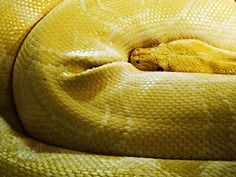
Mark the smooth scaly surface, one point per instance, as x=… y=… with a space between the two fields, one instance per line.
x=74 y=88
x=17 y=19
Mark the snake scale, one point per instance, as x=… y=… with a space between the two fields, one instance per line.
x=74 y=100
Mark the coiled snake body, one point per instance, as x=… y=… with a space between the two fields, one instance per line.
x=70 y=74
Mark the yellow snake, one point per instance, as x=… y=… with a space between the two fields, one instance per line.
x=74 y=101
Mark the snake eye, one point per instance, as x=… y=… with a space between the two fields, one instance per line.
x=137 y=61
x=159 y=68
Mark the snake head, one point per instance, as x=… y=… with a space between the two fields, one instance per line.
x=145 y=59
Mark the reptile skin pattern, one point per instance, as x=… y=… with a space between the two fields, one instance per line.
x=118 y=88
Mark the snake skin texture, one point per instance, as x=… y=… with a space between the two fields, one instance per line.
x=72 y=104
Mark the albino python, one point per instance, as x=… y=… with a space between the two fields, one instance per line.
x=118 y=88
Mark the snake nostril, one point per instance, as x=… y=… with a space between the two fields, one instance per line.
x=137 y=61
